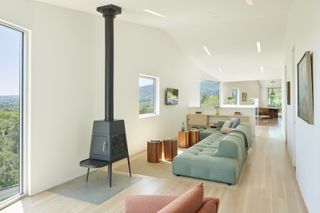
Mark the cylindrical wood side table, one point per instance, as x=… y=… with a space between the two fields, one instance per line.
x=170 y=149
x=194 y=136
x=154 y=151
x=183 y=139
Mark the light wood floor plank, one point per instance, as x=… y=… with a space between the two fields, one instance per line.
x=267 y=184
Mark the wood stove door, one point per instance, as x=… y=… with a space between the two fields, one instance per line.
x=100 y=147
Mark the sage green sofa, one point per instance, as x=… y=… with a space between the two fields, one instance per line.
x=218 y=157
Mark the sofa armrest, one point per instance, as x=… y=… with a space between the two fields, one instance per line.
x=232 y=146
x=154 y=203
x=146 y=203
x=210 y=205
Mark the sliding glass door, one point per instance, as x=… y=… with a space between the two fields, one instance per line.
x=11 y=93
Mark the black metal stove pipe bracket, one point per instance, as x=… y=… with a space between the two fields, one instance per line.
x=109 y=12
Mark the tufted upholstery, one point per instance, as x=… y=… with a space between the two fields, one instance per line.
x=217 y=157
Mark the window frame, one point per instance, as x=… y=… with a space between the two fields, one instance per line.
x=156 y=95
x=24 y=78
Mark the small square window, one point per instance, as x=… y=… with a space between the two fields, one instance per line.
x=148 y=96
x=209 y=93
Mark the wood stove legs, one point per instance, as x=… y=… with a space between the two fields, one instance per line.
x=110 y=174
x=129 y=165
x=87 y=175
x=110 y=171
x=89 y=163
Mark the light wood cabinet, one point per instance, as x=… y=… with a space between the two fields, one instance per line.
x=202 y=120
x=198 y=120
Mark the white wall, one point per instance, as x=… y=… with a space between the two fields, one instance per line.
x=303 y=33
x=144 y=50
x=67 y=80
x=252 y=88
x=264 y=97
x=60 y=109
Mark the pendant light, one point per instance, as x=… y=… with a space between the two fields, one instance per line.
x=272 y=90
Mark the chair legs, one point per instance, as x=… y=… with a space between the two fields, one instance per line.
x=110 y=174
x=129 y=165
x=87 y=175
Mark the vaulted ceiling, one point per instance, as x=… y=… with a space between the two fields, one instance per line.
x=229 y=29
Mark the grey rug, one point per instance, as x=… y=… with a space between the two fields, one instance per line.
x=97 y=189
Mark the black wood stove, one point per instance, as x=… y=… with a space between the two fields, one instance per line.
x=109 y=141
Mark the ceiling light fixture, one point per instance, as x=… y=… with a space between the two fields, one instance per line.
x=249 y=2
x=258 y=46
x=272 y=90
x=154 y=13
x=261 y=68
x=207 y=51
x=220 y=69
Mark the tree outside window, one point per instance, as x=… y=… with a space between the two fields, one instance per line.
x=11 y=55
x=148 y=97
x=209 y=93
x=274 y=97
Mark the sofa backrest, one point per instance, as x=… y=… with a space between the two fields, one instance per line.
x=233 y=145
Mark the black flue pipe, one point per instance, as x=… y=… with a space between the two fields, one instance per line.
x=109 y=12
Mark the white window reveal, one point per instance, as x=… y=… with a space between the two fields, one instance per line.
x=148 y=96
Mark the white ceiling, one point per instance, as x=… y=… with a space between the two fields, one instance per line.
x=270 y=83
x=229 y=28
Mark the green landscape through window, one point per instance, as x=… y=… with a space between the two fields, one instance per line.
x=274 y=97
x=10 y=75
x=147 y=95
x=209 y=93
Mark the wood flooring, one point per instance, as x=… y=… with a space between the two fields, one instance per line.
x=267 y=184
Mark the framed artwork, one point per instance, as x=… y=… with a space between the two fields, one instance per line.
x=244 y=97
x=288 y=93
x=305 y=88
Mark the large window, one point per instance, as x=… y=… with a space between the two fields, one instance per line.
x=209 y=93
x=274 y=97
x=11 y=60
x=148 y=95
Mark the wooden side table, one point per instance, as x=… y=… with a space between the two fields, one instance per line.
x=154 y=151
x=194 y=136
x=183 y=139
x=170 y=149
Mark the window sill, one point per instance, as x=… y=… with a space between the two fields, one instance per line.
x=148 y=115
x=5 y=203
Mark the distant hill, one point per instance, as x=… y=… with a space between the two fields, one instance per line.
x=210 y=88
x=146 y=93
x=9 y=101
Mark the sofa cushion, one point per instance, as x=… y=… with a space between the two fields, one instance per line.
x=227 y=124
x=226 y=130
x=220 y=124
x=190 y=201
x=234 y=122
x=209 y=205
x=146 y=203
x=218 y=157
